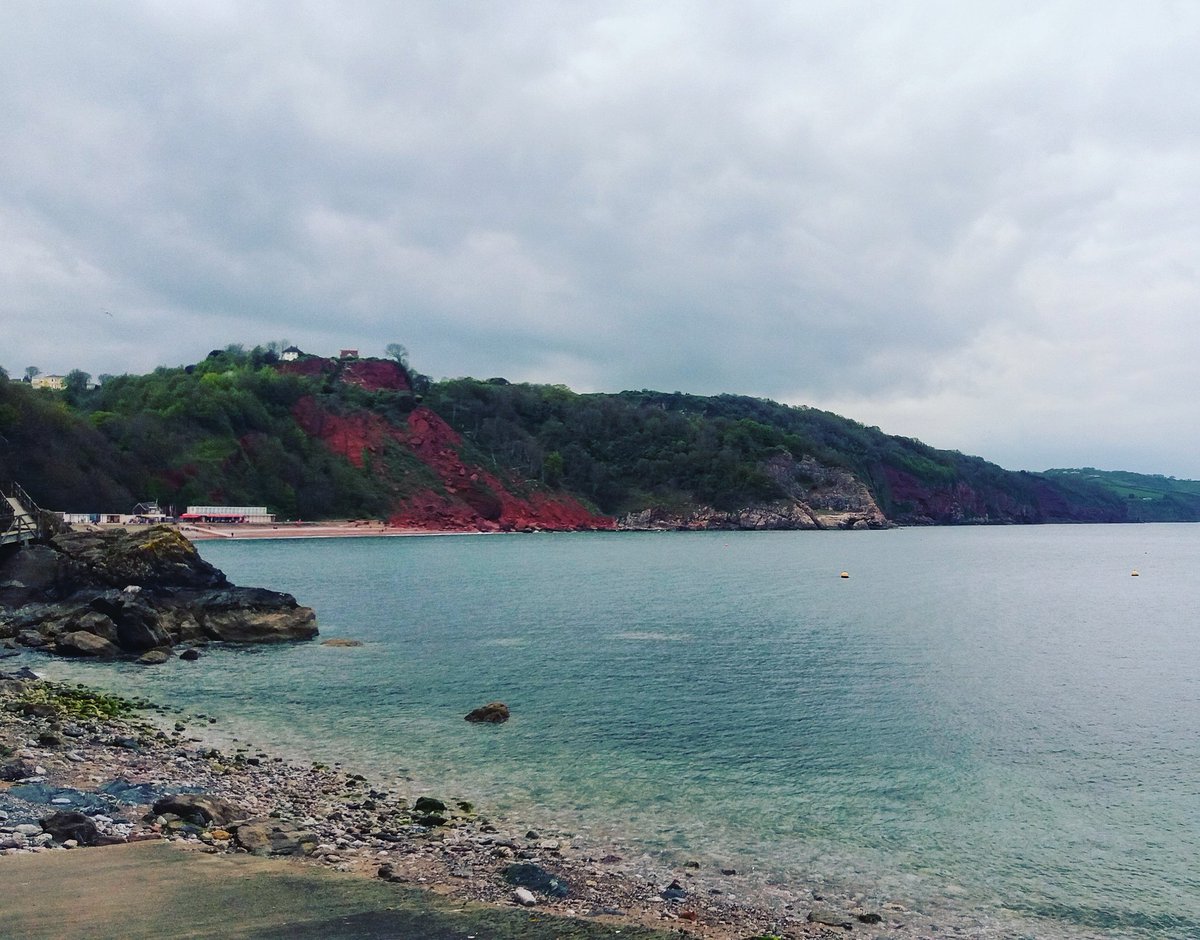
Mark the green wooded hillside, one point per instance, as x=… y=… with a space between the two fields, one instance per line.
x=225 y=430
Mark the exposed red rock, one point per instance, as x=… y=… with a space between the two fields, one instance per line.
x=470 y=498
x=352 y=436
x=371 y=374
x=376 y=375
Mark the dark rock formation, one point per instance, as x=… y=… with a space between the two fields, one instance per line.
x=68 y=825
x=108 y=593
x=491 y=713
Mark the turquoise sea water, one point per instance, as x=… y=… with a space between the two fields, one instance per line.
x=996 y=723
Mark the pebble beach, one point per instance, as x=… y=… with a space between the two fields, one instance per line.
x=81 y=770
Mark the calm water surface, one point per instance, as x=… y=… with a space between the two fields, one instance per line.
x=997 y=722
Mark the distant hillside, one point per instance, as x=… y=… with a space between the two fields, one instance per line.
x=1147 y=498
x=323 y=438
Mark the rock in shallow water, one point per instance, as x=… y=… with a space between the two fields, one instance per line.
x=491 y=713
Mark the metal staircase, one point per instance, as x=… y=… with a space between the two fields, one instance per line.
x=18 y=516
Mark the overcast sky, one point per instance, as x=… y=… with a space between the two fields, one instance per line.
x=973 y=223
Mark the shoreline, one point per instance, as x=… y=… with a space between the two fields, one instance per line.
x=366 y=828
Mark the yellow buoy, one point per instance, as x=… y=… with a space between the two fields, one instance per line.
x=845 y=574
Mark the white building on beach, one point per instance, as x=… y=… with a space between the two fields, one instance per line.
x=227 y=514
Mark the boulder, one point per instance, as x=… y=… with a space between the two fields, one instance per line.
x=100 y=624
x=15 y=770
x=267 y=836
x=190 y=655
x=80 y=643
x=341 y=641
x=63 y=826
x=491 y=713
x=137 y=622
x=154 y=657
x=29 y=575
x=251 y=615
x=200 y=809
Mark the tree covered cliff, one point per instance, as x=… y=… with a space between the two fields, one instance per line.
x=370 y=438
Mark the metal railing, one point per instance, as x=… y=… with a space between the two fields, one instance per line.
x=19 y=515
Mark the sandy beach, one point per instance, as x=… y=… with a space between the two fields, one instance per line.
x=365 y=528
x=62 y=752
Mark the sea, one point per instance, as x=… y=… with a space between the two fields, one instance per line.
x=998 y=727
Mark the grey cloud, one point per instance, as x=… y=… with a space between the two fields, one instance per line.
x=940 y=215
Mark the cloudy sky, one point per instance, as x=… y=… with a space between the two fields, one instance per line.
x=976 y=224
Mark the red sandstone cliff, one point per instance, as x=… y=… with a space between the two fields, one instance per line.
x=455 y=495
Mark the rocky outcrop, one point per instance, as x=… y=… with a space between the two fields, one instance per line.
x=492 y=713
x=114 y=593
x=816 y=497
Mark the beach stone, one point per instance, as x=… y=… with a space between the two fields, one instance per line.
x=267 y=836
x=524 y=897
x=427 y=804
x=673 y=892
x=154 y=657
x=200 y=809
x=830 y=917
x=492 y=713
x=528 y=875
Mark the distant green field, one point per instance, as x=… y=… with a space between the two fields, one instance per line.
x=1154 y=497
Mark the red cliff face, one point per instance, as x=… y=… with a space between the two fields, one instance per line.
x=352 y=436
x=473 y=498
x=469 y=498
x=376 y=375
